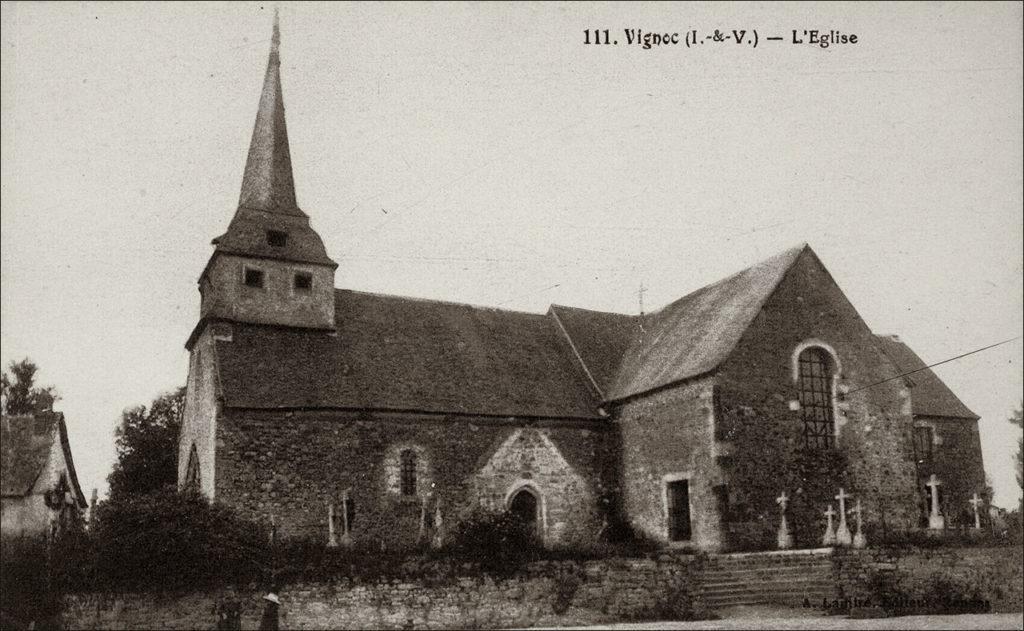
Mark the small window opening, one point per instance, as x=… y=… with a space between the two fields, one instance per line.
x=408 y=472
x=253 y=277
x=303 y=281
x=923 y=441
x=277 y=238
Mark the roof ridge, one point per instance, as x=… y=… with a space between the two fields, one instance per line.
x=611 y=313
x=453 y=303
x=794 y=251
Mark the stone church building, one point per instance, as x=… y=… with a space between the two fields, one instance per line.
x=402 y=415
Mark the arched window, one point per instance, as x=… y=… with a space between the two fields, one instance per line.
x=407 y=463
x=815 y=382
x=192 y=480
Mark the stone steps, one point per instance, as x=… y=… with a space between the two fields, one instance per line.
x=729 y=583
x=765 y=579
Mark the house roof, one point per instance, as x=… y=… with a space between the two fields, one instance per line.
x=929 y=396
x=26 y=442
x=398 y=353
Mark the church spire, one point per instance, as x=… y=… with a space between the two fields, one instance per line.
x=267 y=184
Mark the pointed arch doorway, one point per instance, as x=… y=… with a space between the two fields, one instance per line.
x=525 y=504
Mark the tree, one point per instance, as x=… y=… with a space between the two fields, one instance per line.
x=147 y=446
x=19 y=392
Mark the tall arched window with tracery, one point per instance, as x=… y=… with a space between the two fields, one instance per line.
x=815 y=382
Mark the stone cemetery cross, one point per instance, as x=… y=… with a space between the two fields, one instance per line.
x=423 y=518
x=332 y=539
x=438 y=539
x=935 y=520
x=843 y=536
x=975 y=502
x=785 y=539
x=859 y=540
x=830 y=535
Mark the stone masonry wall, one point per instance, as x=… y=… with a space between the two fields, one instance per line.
x=200 y=412
x=549 y=594
x=760 y=429
x=993 y=574
x=225 y=295
x=291 y=466
x=957 y=463
x=670 y=433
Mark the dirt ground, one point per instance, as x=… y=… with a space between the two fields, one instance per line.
x=754 y=619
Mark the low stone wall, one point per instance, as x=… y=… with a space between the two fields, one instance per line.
x=992 y=574
x=553 y=593
x=547 y=594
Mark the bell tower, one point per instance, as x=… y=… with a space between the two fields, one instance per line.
x=270 y=267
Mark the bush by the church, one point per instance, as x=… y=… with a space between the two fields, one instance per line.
x=498 y=542
x=171 y=540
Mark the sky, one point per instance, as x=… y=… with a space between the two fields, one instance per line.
x=483 y=153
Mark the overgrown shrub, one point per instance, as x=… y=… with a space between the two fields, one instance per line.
x=926 y=539
x=27 y=591
x=171 y=540
x=499 y=543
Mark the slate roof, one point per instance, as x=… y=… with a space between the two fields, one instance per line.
x=929 y=396
x=396 y=353
x=267 y=200
x=600 y=338
x=696 y=333
x=267 y=183
x=25 y=445
x=401 y=353
x=247 y=236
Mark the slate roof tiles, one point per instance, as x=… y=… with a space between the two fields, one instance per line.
x=397 y=353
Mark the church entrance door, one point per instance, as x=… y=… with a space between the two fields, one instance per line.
x=679 y=510
x=524 y=506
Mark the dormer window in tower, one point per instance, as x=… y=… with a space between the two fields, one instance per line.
x=253 y=277
x=277 y=238
x=303 y=282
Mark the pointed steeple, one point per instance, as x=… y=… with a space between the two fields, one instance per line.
x=267 y=184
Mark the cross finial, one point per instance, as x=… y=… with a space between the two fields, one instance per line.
x=842 y=496
x=933 y=481
x=782 y=500
x=975 y=501
x=830 y=513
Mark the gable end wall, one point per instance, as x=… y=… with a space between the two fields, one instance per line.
x=761 y=422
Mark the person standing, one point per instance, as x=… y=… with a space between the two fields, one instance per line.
x=271 y=612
